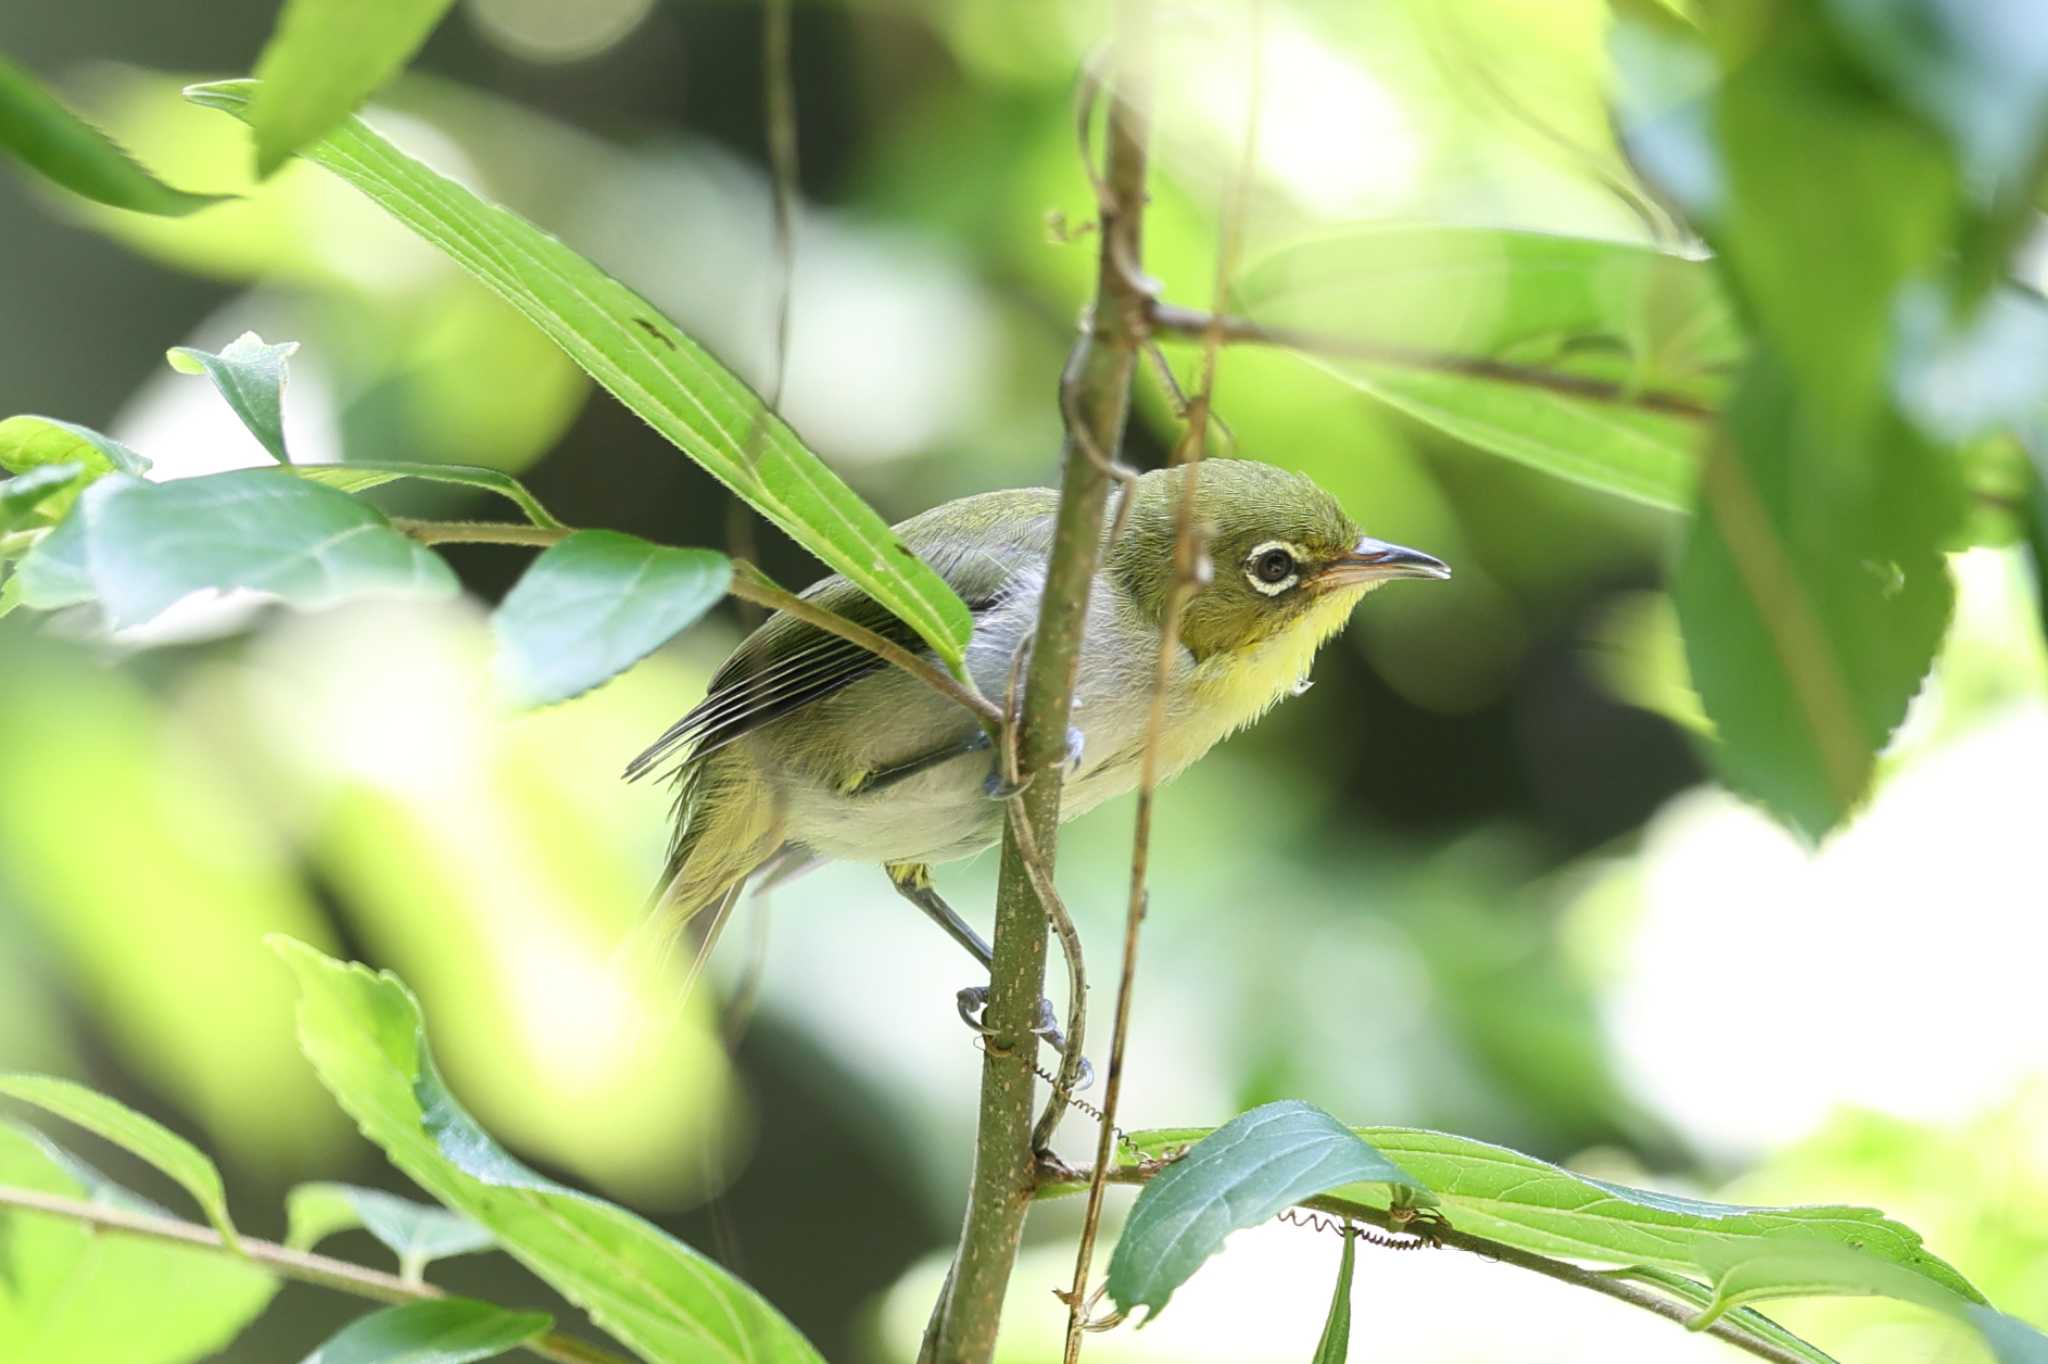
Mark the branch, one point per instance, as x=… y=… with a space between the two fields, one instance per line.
x=297 y=1265
x=1167 y=319
x=1564 y=1271
x=1096 y=387
x=748 y=584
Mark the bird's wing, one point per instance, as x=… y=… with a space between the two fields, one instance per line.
x=979 y=545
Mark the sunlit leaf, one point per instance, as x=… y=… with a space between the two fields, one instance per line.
x=137 y=547
x=358 y=476
x=141 y=1136
x=443 y=1331
x=1335 y=1345
x=1805 y=1267
x=667 y=378
x=28 y=443
x=37 y=130
x=1747 y=1319
x=1425 y=300
x=250 y=376
x=326 y=57
x=364 y=1035
x=1237 y=1176
x=22 y=497
x=417 y=1233
x=1812 y=593
x=596 y=604
x=71 y=1296
x=1521 y=1201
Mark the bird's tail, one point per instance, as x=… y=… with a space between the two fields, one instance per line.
x=727 y=825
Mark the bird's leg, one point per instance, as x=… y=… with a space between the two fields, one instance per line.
x=913 y=881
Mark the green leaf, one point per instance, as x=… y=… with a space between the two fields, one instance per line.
x=21 y=498
x=1243 y=1173
x=140 y=1136
x=1812 y=593
x=444 y=1331
x=417 y=1233
x=1799 y=1267
x=250 y=376
x=1516 y=1199
x=1335 y=1345
x=596 y=604
x=1750 y=1320
x=359 y=476
x=47 y=137
x=673 y=383
x=323 y=60
x=364 y=1035
x=137 y=547
x=28 y=443
x=71 y=1296
x=1627 y=315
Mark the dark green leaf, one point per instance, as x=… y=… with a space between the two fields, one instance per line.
x=1812 y=593
x=363 y=1034
x=1335 y=1345
x=1521 y=1201
x=325 y=58
x=596 y=604
x=673 y=383
x=1243 y=1173
x=2036 y=528
x=1640 y=319
x=45 y=136
x=71 y=1296
x=141 y=1136
x=444 y=1331
x=21 y=498
x=359 y=476
x=137 y=547
x=1978 y=69
x=417 y=1233
x=251 y=376
x=28 y=443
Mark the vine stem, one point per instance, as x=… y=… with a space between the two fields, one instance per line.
x=1190 y=565
x=748 y=584
x=1095 y=393
x=1564 y=1271
x=298 y=1265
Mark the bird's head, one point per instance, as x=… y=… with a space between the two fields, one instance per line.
x=1285 y=559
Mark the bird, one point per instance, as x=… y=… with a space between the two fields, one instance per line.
x=808 y=748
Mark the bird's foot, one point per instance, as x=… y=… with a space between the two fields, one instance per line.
x=999 y=787
x=972 y=1000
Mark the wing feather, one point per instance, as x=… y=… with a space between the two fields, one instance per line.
x=979 y=545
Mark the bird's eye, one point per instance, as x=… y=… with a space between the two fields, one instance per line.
x=1274 y=566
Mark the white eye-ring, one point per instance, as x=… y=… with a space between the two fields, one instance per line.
x=1273 y=567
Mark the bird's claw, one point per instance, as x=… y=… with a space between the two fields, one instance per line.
x=972 y=1001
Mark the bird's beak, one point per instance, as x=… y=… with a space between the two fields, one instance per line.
x=1375 y=561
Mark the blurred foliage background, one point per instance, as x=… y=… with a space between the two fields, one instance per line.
x=1474 y=880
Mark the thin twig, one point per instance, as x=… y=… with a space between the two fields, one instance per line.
x=748 y=584
x=1189 y=563
x=780 y=113
x=969 y=1311
x=1167 y=319
x=1598 y=1281
x=298 y=1265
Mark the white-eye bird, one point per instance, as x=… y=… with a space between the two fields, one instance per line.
x=809 y=747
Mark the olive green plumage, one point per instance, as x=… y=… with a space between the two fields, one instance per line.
x=808 y=747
